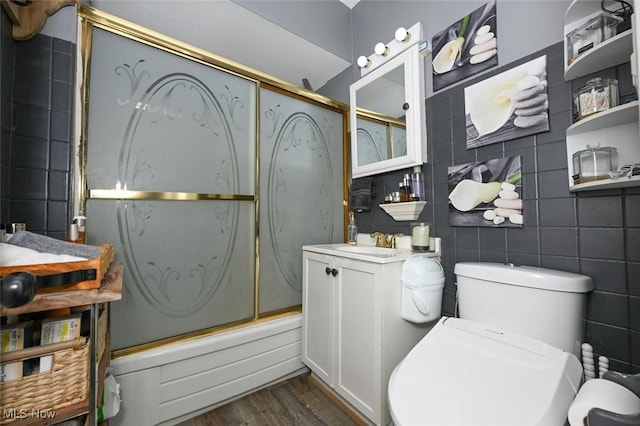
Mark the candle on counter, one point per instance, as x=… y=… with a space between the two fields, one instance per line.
x=420 y=236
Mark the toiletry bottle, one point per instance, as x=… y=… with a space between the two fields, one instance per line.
x=352 y=229
x=404 y=192
x=417 y=183
x=72 y=233
x=82 y=227
x=406 y=180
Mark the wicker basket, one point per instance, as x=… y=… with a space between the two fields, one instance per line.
x=66 y=384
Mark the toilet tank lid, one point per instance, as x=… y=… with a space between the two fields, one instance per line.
x=525 y=276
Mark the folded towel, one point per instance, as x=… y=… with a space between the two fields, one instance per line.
x=44 y=244
x=361 y=194
x=13 y=255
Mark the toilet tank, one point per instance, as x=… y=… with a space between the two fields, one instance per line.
x=541 y=303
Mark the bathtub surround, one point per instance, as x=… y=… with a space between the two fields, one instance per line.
x=595 y=233
x=172 y=383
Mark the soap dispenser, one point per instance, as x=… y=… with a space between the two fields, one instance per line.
x=352 y=229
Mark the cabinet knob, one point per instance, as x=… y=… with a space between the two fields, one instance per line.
x=333 y=271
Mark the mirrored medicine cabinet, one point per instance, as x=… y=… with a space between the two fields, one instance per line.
x=387 y=116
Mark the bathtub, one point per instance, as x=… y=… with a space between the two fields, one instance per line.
x=169 y=384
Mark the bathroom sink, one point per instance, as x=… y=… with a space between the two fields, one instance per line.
x=371 y=251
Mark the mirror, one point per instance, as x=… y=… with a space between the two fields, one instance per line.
x=388 y=129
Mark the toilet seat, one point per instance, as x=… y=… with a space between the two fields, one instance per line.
x=467 y=373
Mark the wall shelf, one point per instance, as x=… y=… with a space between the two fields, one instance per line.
x=404 y=211
x=616 y=127
x=606 y=184
x=609 y=53
x=623 y=114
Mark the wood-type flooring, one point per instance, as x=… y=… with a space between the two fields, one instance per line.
x=294 y=402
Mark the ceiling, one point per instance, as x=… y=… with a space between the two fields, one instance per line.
x=233 y=32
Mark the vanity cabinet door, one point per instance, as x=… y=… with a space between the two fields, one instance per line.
x=342 y=328
x=358 y=316
x=318 y=291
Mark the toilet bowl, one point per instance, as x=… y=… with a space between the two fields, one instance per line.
x=468 y=373
x=510 y=359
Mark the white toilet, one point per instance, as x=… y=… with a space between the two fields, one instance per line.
x=510 y=359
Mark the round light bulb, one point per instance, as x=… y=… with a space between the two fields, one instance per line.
x=402 y=35
x=381 y=49
x=363 y=62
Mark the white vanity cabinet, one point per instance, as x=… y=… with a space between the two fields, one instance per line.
x=618 y=126
x=352 y=333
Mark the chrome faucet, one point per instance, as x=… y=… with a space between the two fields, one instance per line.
x=381 y=239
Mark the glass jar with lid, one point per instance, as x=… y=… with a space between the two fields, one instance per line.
x=594 y=163
x=599 y=94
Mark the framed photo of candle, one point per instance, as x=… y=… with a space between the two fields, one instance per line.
x=486 y=193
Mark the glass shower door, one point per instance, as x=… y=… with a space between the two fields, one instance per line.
x=171 y=178
x=301 y=191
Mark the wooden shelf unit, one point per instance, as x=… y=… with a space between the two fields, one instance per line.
x=110 y=290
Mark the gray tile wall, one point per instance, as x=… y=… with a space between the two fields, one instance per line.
x=594 y=233
x=36 y=92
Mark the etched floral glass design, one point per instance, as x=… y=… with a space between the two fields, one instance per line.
x=161 y=123
x=373 y=143
x=301 y=191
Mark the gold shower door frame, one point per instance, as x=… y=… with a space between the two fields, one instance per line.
x=89 y=19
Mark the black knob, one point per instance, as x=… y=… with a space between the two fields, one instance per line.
x=405 y=106
x=334 y=272
x=327 y=270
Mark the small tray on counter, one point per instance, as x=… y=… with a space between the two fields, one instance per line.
x=100 y=264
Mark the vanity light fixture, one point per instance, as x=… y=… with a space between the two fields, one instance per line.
x=403 y=39
x=402 y=35
x=364 y=62
x=382 y=49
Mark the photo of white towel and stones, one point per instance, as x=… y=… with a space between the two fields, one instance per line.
x=509 y=105
x=486 y=193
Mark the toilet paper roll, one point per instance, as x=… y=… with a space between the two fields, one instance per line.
x=602 y=394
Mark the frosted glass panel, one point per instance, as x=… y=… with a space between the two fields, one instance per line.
x=301 y=191
x=399 y=141
x=158 y=122
x=185 y=264
x=162 y=123
x=372 y=142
